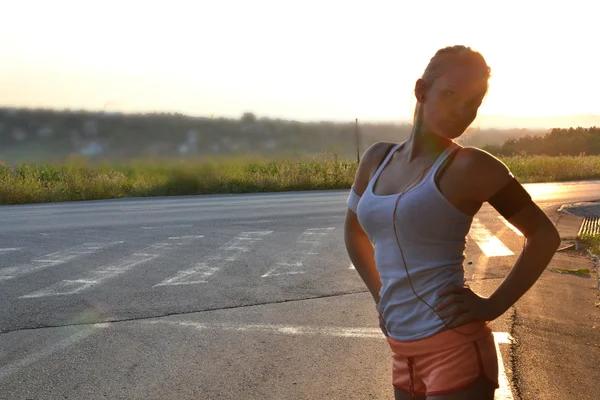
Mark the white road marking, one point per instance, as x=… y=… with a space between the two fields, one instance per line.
x=165 y=227
x=229 y=252
x=198 y=274
x=511 y=226
x=503 y=392
x=352 y=266
x=142 y=208
x=306 y=244
x=365 y=333
x=487 y=241
x=9 y=249
x=109 y=271
x=53 y=259
x=82 y=333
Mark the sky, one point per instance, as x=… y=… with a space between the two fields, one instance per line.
x=304 y=60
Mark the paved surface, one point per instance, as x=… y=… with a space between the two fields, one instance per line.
x=246 y=296
x=582 y=208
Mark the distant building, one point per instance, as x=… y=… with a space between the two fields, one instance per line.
x=19 y=134
x=92 y=148
x=184 y=149
x=270 y=144
x=45 y=132
x=192 y=136
x=190 y=146
x=90 y=127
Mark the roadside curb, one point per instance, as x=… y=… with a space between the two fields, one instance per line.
x=568 y=226
x=596 y=262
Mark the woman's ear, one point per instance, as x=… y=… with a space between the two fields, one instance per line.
x=420 y=89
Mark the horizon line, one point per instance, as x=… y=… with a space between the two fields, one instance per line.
x=212 y=116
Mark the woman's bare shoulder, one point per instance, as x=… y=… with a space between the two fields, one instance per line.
x=484 y=174
x=368 y=165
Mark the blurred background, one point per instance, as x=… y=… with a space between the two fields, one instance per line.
x=128 y=79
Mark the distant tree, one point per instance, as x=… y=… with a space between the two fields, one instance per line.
x=248 y=117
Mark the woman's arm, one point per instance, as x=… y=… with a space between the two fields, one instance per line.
x=361 y=253
x=485 y=176
x=359 y=246
x=535 y=257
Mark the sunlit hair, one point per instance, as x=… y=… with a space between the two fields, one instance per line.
x=453 y=56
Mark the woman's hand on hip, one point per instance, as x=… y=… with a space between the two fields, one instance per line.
x=463 y=305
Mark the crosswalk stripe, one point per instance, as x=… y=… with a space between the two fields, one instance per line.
x=9 y=249
x=109 y=271
x=511 y=226
x=306 y=244
x=165 y=227
x=53 y=259
x=229 y=252
x=487 y=241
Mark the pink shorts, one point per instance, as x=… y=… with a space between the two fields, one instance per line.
x=446 y=362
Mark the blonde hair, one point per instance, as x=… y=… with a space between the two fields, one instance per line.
x=452 y=55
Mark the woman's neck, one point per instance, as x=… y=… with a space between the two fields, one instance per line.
x=423 y=143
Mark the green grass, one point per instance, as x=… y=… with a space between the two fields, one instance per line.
x=78 y=179
x=553 y=169
x=592 y=242
x=81 y=180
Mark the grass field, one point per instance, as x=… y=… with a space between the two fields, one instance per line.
x=592 y=241
x=82 y=180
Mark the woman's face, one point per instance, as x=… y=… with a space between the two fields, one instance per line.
x=450 y=105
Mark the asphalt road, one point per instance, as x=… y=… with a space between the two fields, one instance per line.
x=207 y=297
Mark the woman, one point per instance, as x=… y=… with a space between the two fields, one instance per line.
x=409 y=212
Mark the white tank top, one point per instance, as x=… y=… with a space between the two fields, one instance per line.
x=432 y=233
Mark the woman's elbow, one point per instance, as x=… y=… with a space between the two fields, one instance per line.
x=547 y=234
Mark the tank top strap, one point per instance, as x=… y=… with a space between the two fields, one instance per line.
x=384 y=163
x=443 y=156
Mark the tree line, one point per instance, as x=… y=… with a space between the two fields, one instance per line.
x=567 y=142
x=61 y=133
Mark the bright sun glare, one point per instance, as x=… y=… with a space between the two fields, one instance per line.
x=305 y=60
